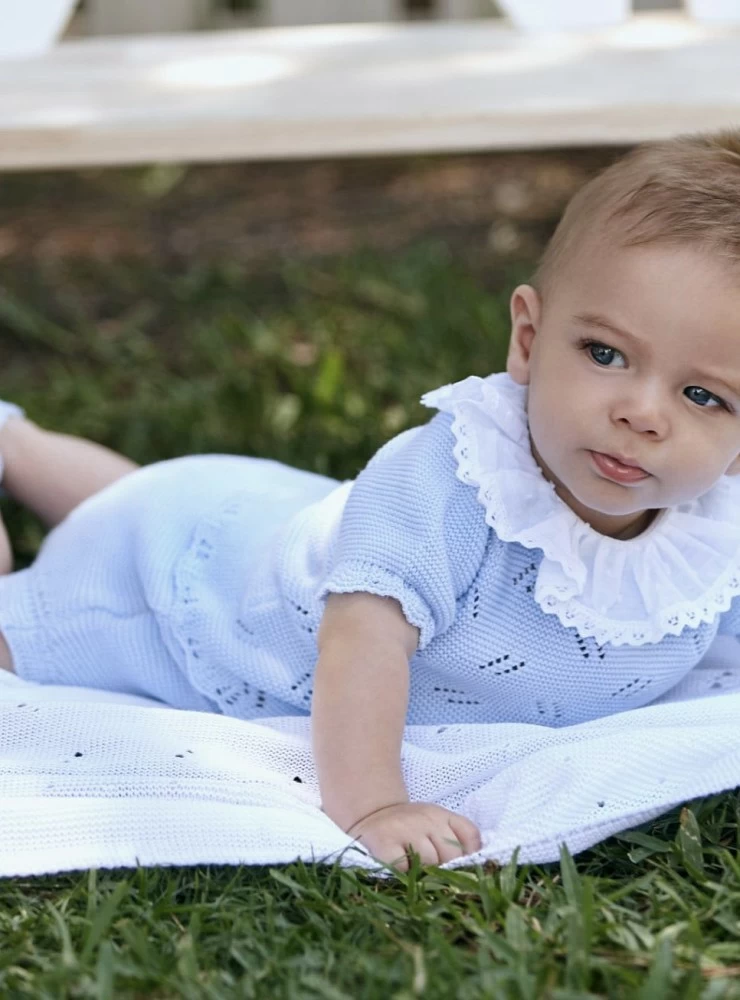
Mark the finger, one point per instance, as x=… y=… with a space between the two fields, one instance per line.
x=466 y=832
x=400 y=857
x=447 y=844
x=392 y=854
x=426 y=849
x=400 y=861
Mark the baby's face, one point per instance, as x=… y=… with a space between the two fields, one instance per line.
x=659 y=385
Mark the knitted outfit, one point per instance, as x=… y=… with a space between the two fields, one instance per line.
x=201 y=581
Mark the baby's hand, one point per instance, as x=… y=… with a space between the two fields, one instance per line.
x=436 y=834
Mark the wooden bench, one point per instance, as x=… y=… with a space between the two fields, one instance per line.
x=364 y=89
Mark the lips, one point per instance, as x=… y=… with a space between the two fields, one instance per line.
x=617 y=470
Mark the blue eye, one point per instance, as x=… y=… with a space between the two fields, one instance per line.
x=702 y=397
x=595 y=348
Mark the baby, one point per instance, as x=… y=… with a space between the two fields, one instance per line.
x=559 y=542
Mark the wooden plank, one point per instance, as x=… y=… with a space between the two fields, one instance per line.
x=456 y=10
x=364 y=89
x=113 y=17
x=291 y=12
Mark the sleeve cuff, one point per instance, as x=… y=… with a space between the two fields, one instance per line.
x=355 y=577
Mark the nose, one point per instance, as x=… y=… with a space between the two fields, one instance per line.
x=644 y=413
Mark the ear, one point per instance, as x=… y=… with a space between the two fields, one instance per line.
x=526 y=313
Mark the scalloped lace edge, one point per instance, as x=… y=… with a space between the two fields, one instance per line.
x=571 y=612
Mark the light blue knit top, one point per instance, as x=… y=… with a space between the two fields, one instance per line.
x=525 y=613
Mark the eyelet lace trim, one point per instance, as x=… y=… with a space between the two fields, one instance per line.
x=683 y=570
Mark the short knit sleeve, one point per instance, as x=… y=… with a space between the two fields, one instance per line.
x=411 y=530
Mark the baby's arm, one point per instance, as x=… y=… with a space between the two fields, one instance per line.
x=360 y=699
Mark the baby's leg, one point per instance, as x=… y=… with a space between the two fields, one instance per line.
x=95 y=608
x=6 y=660
x=6 y=552
x=52 y=473
x=6 y=565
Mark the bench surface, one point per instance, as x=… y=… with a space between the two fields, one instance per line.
x=364 y=89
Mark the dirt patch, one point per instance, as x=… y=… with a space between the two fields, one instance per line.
x=501 y=205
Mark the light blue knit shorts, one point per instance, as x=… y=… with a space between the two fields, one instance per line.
x=96 y=607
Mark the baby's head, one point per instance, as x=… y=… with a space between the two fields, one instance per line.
x=628 y=336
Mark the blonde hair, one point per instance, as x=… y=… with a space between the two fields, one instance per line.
x=685 y=190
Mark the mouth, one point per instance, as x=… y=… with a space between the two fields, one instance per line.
x=619 y=469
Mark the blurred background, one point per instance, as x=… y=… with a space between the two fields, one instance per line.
x=267 y=227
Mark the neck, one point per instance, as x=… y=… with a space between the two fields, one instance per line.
x=637 y=527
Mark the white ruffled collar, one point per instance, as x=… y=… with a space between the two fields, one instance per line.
x=682 y=570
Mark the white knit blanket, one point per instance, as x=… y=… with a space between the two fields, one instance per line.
x=89 y=779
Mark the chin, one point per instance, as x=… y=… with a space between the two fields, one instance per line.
x=614 y=506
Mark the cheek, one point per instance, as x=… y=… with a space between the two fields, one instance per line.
x=692 y=460
x=717 y=460
x=550 y=425
x=560 y=408
x=698 y=443
x=537 y=408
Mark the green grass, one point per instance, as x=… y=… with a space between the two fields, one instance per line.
x=312 y=365
x=316 y=365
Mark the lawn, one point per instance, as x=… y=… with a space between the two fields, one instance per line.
x=316 y=364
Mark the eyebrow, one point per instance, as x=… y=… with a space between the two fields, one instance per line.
x=594 y=319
